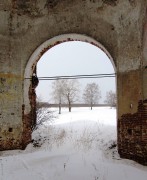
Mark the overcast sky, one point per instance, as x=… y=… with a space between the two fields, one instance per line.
x=74 y=58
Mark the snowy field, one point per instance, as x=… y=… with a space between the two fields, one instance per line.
x=80 y=145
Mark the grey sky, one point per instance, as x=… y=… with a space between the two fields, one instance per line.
x=74 y=58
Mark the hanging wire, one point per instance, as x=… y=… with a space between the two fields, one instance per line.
x=73 y=78
x=76 y=77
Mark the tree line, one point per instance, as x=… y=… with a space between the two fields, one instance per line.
x=68 y=91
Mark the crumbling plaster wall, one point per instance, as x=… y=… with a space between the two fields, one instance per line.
x=120 y=26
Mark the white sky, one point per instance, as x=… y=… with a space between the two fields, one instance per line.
x=74 y=58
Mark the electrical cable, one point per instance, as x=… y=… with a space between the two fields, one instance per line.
x=79 y=75
x=76 y=77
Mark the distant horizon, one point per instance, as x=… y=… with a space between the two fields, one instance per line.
x=74 y=104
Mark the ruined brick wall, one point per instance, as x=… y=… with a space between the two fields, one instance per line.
x=120 y=26
x=29 y=120
x=132 y=130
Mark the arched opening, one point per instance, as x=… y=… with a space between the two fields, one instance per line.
x=76 y=60
x=29 y=116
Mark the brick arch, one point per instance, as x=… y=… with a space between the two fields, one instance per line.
x=29 y=104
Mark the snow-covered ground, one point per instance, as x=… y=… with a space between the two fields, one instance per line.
x=80 y=145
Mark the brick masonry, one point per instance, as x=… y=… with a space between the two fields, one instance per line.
x=132 y=134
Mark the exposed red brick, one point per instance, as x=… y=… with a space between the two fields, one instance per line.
x=132 y=135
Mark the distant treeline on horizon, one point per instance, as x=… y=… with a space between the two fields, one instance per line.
x=45 y=104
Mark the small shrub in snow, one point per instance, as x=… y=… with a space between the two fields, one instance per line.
x=44 y=115
x=113 y=145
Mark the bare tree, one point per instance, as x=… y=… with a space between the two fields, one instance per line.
x=111 y=98
x=71 y=91
x=65 y=91
x=92 y=94
x=58 y=92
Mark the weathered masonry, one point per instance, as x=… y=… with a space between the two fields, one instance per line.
x=29 y=28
